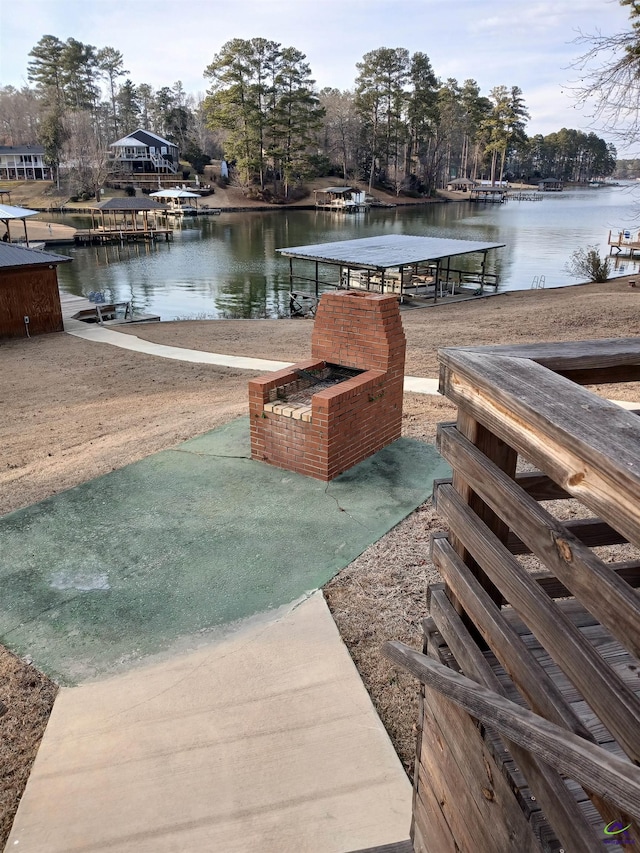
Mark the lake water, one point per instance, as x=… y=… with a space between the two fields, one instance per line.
x=226 y=266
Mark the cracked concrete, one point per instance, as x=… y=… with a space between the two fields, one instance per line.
x=186 y=542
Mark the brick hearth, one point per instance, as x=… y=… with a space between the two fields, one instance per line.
x=324 y=433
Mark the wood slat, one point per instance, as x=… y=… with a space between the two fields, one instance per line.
x=603 y=592
x=592 y=532
x=478 y=804
x=628 y=570
x=531 y=680
x=564 y=355
x=587 y=445
x=615 y=779
x=558 y=804
x=582 y=664
x=538 y=485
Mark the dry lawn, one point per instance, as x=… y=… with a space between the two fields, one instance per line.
x=73 y=410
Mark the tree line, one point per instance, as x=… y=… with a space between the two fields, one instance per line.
x=399 y=127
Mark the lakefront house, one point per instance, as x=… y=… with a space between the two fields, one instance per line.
x=23 y=163
x=144 y=152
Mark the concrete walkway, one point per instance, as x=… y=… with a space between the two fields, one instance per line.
x=266 y=741
x=414 y=384
x=98 y=334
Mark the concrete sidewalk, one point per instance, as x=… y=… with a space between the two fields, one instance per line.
x=98 y=334
x=264 y=742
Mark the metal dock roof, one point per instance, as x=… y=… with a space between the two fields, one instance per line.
x=387 y=251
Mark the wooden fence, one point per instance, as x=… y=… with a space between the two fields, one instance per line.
x=530 y=700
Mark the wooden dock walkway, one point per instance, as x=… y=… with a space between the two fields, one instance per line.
x=107 y=315
x=100 y=236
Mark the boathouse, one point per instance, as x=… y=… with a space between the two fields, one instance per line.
x=461 y=184
x=29 y=294
x=413 y=268
x=124 y=220
x=550 y=185
x=487 y=193
x=178 y=201
x=341 y=199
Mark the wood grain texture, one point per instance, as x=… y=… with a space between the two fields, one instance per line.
x=566 y=645
x=558 y=804
x=603 y=592
x=590 y=447
x=615 y=779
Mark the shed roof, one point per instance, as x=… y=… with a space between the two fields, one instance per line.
x=336 y=190
x=387 y=251
x=8 y=211
x=175 y=193
x=120 y=204
x=19 y=256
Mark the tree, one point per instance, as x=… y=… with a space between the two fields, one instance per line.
x=111 y=63
x=610 y=81
x=52 y=136
x=587 y=264
x=504 y=125
x=127 y=107
x=297 y=114
x=340 y=129
x=381 y=99
x=45 y=70
x=80 y=74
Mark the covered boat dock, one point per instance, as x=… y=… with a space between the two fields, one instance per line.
x=415 y=268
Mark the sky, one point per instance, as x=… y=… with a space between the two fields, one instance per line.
x=525 y=43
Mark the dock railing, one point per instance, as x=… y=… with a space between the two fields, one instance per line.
x=530 y=701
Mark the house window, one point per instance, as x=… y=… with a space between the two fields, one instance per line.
x=163 y=150
x=152 y=149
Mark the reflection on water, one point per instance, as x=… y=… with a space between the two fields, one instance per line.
x=226 y=266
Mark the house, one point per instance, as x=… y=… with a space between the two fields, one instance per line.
x=29 y=294
x=23 y=163
x=143 y=152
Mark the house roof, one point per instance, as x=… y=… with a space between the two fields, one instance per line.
x=19 y=256
x=387 y=251
x=142 y=138
x=21 y=149
x=129 y=204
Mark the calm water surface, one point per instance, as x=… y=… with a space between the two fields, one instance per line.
x=227 y=266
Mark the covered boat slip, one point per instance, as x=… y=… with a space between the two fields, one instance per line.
x=413 y=267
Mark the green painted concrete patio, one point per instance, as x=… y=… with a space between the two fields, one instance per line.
x=185 y=542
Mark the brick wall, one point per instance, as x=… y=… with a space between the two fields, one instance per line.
x=349 y=421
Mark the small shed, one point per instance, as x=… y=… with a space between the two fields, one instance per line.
x=29 y=294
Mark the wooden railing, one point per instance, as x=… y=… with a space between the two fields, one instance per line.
x=530 y=704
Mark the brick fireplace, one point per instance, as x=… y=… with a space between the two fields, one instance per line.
x=322 y=416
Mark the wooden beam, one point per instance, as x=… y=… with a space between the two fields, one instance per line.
x=603 y=592
x=592 y=532
x=524 y=670
x=615 y=779
x=587 y=445
x=581 y=663
x=558 y=804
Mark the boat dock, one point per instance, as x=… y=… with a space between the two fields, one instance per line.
x=101 y=236
x=624 y=243
x=77 y=311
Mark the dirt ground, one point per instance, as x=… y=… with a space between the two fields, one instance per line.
x=73 y=410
